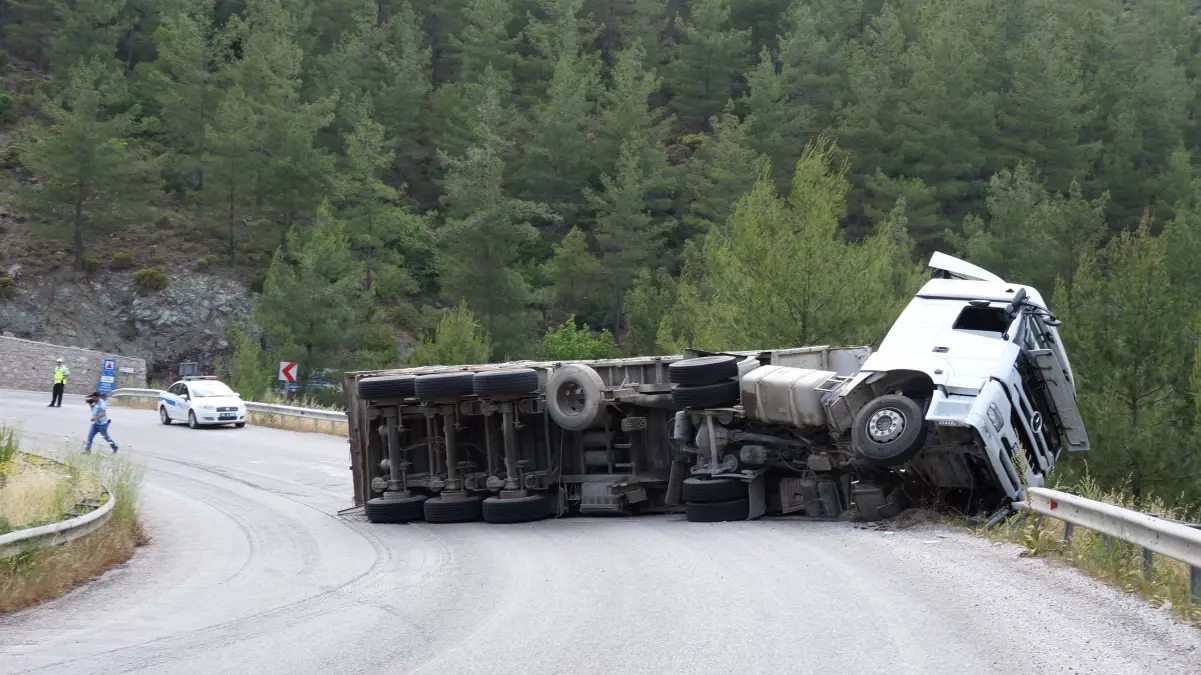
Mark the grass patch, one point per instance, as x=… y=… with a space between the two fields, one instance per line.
x=1114 y=562
x=35 y=491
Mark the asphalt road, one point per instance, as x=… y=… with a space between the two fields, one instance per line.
x=251 y=571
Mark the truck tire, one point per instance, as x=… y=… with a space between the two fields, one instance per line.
x=386 y=386
x=713 y=490
x=511 y=382
x=718 y=512
x=717 y=395
x=888 y=431
x=573 y=397
x=403 y=510
x=443 y=385
x=702 y=370
x=439 y=510
x=516 y=510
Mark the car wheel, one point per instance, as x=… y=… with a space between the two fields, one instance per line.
x=239 y=424
x=163 y=416
x=192 y=420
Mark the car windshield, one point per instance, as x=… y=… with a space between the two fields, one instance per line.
x=204 y=389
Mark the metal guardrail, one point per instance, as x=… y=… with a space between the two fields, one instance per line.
x=1176 y=540
x=57 y=533
x=251 y=406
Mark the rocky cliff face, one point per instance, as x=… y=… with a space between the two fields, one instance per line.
x=184 y=322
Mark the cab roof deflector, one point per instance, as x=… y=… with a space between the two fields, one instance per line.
x=949 y=267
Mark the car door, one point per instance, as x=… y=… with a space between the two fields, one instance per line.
x=171 y=401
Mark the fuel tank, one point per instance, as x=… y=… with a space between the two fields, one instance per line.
x=784 y=395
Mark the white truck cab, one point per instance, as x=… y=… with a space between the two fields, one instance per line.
x=982 y=362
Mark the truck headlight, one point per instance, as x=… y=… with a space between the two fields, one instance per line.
x=994 y=416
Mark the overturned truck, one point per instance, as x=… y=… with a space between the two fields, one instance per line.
x=969 y=398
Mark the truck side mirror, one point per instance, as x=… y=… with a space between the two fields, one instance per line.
x=1019 y=299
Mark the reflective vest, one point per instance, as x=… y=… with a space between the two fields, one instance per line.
x=60 y=375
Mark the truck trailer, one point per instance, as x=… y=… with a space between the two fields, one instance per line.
x=968 y=400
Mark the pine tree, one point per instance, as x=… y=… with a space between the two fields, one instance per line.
x=311 y=307
x=1032 y=236
x=708 y=63
x=231 y=163
x=777 y=125
x=181 y=80
x=558 y=161
x=378 y=225
x=718 y=174
x=627 y=113
x=1128 y=334
x=630 y=239
x=624 y=25
x=89 y=32
x=788 y=278
x=577 y=281
x=486 y=234
x=90 y=175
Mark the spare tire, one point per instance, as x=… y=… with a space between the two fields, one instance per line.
x=888 y=431
x=386 y=386
x=703 y=370
x=573 y=397
x=444 y=385
x=718 y=395
x=512 y=382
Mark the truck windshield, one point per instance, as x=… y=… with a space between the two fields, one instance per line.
x=991 y=322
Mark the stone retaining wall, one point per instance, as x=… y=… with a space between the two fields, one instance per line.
x=25 y=364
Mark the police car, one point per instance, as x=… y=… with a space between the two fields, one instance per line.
x=201 y=401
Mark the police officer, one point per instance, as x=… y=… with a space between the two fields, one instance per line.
x=60 y=381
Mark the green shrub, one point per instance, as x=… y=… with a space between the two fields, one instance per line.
x=459 y=339
x=90 y=264
x=150 y=279
x=7 y=287
x=203 y=262
x=122 y=260
x=8 y=108
x=568 y=343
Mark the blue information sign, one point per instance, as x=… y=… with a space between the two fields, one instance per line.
x=108 y=377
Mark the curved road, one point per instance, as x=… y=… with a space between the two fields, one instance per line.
x=251 y=571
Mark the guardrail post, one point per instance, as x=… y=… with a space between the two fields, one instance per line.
x=1194 y=584
x=1068 y=529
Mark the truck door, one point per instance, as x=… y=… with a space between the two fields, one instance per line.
x=1061 y=392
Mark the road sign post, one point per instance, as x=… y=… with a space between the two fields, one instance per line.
x=287 y=371
x=108 y=377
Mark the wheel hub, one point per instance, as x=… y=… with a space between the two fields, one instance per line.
x=886 y=425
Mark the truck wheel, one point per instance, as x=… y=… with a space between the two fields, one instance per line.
x=702 y=370
x=713 y=490
x=443 y=385
x=511 y=382
x=387 y=386
x=717 y=395
x=573 y=397
x=402 y=510
x=718 y=512
x=462 y=510
x=889 y=430
x=516 y=510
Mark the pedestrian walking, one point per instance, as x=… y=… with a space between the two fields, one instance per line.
x=61 y=371
x=100 y=421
